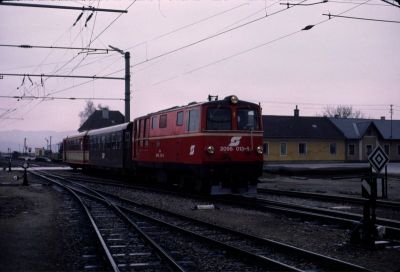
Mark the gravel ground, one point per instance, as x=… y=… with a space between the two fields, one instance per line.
x=40 y=228
x=34 y=227
x=349 y=187
x=325 y=239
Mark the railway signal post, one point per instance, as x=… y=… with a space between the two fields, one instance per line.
x=378 y=160
x=25 y=181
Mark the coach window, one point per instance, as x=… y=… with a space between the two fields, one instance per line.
x=283 y=150
x=351 y=149
x=332 y=148
x=179 y=118
x=398 y=149
x=163 y=121
x=219 y=119
x=266 y=149
x=369 y=149
x=302 y=149
x=387 y=149
x=194 y=120
x=153 y=122
x=247 y=120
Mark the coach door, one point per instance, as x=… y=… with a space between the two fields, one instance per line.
x=127 y=147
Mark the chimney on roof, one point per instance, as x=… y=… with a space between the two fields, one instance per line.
x=296 y=112
x=105 y=113
x=383 y=118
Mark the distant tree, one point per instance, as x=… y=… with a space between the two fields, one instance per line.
x=342 y=111
x=89 y=109
x=100 y=107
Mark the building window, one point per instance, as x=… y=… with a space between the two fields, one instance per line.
x=283 y=149
x=369 y=149
x=153 y=122
x=351 y=149
x=194 y=120
x=179 y=118
x=387 y=149
x=266 y=149
x=163 y=121
x=302 y=148
x=332 y=148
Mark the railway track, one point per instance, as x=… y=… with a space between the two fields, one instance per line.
x=349 y=220
x=346 y=219
x=266 y=254
x=326 y=197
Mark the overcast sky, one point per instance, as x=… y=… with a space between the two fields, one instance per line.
x=338 y=61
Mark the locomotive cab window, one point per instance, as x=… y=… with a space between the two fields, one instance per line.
x=153 y=122
x=247 y=119
x=179 y=118
x=219 y=119
x=163 y=121
x=194 y=120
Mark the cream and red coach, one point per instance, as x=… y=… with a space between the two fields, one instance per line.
x=215 y=146
x=75 y=150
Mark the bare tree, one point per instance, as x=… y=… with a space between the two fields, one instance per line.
x=89 y=109
x=342 y=111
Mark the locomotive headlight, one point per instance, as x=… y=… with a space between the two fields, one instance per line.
x=234 y=99
x=259 y=149
x=210 y=149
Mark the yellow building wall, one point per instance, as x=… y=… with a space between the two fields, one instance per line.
x=317 y=150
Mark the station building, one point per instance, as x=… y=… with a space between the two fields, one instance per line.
x=302 y=139
x=322 y=139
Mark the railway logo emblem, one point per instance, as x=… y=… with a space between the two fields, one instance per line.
x=235 y=141
x=192 y=147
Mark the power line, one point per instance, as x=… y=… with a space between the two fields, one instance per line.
x=255 y=47
x=360 y=18
x=67 y=76
x=21 y=97
x=60 y=7
x=57 y=47
x=390 y=3
x=213 y=36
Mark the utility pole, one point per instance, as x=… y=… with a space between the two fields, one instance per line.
x=127 y=87
x=127 y=77
x=391 y=122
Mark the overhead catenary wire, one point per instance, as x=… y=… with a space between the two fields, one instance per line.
x=58 y=97
x=360 y=18
x=256 y=47
x=212 y=36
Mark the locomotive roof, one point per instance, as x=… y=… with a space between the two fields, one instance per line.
x=108 y=129
x=225 y=101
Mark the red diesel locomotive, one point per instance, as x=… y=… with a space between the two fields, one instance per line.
x=213 y=147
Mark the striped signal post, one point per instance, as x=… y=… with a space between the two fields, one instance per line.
x=378 y=160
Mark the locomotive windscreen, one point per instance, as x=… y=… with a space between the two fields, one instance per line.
x=247 y=119
x=219 y=119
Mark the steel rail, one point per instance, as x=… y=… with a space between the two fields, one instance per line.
x=164 y=255
x=262 y=260
x=331 y=262
x=357 y=200
x=99 y=236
